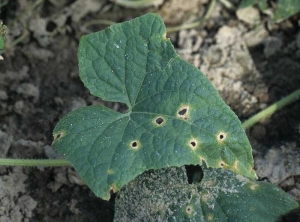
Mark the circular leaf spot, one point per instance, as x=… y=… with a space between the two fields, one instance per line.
x=159 y=120
x=135 y=144
x=193 y=143
x=183 y=112
x=189 y=209
x=221 y=137
x=222 y=164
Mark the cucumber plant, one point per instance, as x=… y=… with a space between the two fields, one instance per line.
x=175 y=117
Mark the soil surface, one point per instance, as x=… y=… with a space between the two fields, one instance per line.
x=251 y=62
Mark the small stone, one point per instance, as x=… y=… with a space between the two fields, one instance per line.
x=259 y=131
x=29 y=90
x=5 y=143
x=249 y=15
x=298 y=40
x=77 y=103
x=19 y=106
x=272 y=46
x=3 y=95
x=289 y=182
x=256 y=36
x=51 y=153
x=295 y=193
x=27 y=204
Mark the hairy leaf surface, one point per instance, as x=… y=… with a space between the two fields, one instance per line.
x=166 y=195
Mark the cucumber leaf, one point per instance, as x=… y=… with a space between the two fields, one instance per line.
x=221 y=195
x=175 y=116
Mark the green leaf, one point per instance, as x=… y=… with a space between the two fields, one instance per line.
x=2 y=33
x=175 y=116
x=262 y=4
x=1 y=42
x=247 y=3
x=286 y=8
x=222 y=195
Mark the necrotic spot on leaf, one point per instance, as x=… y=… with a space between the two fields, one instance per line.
x=202 y=160
x=236 y=165
x=189 y=209
x=135 y=144
x=210 y=217
x=221 y=164
x=159 y=120
x=221 y=137
x=183 y=112
x=58 y=135
x=253 y=186
x=193 y=143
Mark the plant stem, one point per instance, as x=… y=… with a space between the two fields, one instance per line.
x=195 y=24
x=34 y=163
x=135 y=4
x=227 y=4
x=98 y=21
x=271 y=109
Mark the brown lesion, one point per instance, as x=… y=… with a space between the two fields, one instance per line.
x=58 y=135
x=135 y=144
x=193 y=143
x=222 y=164
x=189 y=209
x=159 y=121
x=221 y=137
x=202 y=159
x=236 y=165
x=183 y=112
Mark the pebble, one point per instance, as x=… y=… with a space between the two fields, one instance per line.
x=29 y=90
x=272 y=46
x=5 y=143
x=249 y=15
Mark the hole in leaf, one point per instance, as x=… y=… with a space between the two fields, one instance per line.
x=194 y=173
x=183 y=112
x=221 y=164
x=189 y=209
x=221 y=137
x=193 y=143
x=135 y=144
x=159 y=120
